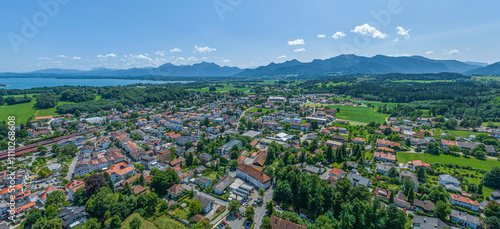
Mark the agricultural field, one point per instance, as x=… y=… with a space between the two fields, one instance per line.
x=421 y=81
x=485 y=164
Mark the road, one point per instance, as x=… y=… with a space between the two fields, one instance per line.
x=260 y=212
x=69 y=175
x=241 y=116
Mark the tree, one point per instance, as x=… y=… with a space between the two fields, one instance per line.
x=233 y=164
x=442 y=210
x=46 y=100
x=387 y=131
x=33 y=215
x=395 y=218
x=162 y=180
x=44 y=172
x=92 y=223
x=135 y=223
x=492 y=177
x=262 y=192
x=249 y=213
x=94 y=183
x=195 y=207
x=330 y=156
x=270 y=208
x=56 y=199
x=391 y=198
x=116 y=222
x=421 y=173
x=493 y=222
x=266 y=223
x=234 y=207
x=393 y=172
x=203 y=224
x=411 y=195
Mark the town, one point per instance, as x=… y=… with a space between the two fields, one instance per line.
x=249 y=160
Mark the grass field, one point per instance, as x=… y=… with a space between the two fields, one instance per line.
x=485 y=164
x=162 y=222
x=457 y=133
x=25 y=110
x=359 y=115
x=144 y=223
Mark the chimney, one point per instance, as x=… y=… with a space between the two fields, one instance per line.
x=425 y=220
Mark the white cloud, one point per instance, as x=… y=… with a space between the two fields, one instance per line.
x=56 y=62
x=453 y=52
x=281 y=57
x=192 y=58
x=403 y=32
x=140 y=57
x=112 y=55
x=76 y=58
x=43 y=58
x=180 y=59
x=224 y=60
x=62 y=56
x=161 y=53
x=177 y=50
x=300 y=50
x=396 y=40
x=321 y=36
x=370 y=31
x=204 y=58
x=338 y=35
x=297 y=42
x=429 y=52
x=399 y=55
x=203 y=49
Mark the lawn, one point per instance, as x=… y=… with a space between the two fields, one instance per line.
x=168 y=222
x=485 y=164
x=457 y=133
x=145 y=224
x=469 y=175
x=181 y=214
x=360 y=115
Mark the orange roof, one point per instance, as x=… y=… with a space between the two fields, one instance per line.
x=75 y=184
x=419 y=163
x=386 y=156
x=175 y=189
x=16 y=187
x=121 y=168
x=24 y=207
x=44 y=117
x=336 y=172
x=254 y=173
x=464 y=200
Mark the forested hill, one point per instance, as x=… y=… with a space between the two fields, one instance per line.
x=336 y=66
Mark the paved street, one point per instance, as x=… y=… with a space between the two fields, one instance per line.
x=260 y=212
x=72 y=167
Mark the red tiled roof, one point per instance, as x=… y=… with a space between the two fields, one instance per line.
x=464 y=200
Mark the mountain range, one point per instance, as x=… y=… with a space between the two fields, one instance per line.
x=335 y=66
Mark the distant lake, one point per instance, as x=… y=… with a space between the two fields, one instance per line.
x=27 y=83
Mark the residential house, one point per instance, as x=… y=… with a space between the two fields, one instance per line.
x=464 y=202
x=383 y=193
x=426 y=222
x=73 y=216
x=207 y=203
x=336 y=174
x=464 y=219
x=175 y=191
x=279 y=223
x=357 y=180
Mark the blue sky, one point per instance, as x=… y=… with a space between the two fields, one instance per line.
x=243 y=33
